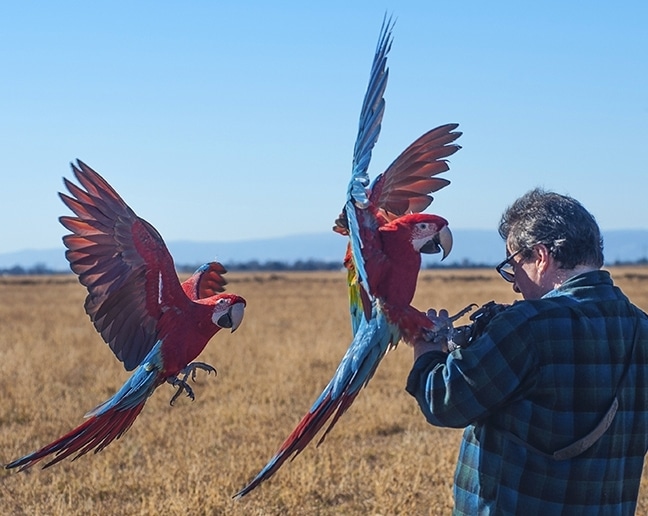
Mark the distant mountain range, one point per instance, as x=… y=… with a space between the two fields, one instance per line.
x=471 y=247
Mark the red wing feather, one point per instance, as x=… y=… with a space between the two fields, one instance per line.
x=123 y=262
x=406 y=185
x=207 y=281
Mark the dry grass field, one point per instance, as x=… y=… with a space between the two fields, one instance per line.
x=381 y=458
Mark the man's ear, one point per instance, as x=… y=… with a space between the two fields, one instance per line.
x=543 y=257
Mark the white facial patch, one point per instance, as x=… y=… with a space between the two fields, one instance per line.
x=421 y=235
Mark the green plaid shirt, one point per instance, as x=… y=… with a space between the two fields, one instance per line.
x=546 y=371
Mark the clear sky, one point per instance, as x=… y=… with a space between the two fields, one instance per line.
x=236 y=120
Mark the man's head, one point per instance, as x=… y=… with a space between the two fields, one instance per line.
x=551 y=237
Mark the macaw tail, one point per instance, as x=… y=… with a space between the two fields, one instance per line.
x=96 y=433
x=107 y=422
x=372 y=340
x=304 y=432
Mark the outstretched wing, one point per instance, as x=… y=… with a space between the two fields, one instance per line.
x=371 y=114
x=361 y=223
x=123 y=262
x=205 y=282
x=406 y=185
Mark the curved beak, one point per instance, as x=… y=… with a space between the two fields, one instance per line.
x=232 y=319
x=441 y=241
x=445 y=241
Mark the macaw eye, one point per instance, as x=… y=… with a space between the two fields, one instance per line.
x=423 y=225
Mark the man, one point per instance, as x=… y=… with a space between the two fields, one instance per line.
x=554 y=392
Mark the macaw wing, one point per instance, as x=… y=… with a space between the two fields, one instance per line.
x=371 y=114
x=370 y=344
x=361 y=223
x=406 y=185
x=364 y=251
x=205 y=282
x=122 y=261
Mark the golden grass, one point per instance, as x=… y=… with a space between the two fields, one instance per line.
x=381 y=458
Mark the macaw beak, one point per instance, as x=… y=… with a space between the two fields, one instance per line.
x=441 y=241
x=232 y=319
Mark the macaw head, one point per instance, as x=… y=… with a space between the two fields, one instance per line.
x=228 y=310
x=428 y=234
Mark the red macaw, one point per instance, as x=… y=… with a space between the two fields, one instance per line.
x=152 y=323
x=386 y=236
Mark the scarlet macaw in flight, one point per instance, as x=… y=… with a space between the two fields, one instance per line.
x=386 y=233
x=152 y=323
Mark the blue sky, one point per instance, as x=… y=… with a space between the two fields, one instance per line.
x=236 y=120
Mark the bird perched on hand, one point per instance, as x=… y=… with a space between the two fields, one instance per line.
x=387 y=234
x=152 y=323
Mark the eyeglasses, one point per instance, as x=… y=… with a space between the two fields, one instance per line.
x=505 y=267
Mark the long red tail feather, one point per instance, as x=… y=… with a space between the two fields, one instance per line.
x=96 y=433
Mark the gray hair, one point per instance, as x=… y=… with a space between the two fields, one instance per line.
x=560 y=222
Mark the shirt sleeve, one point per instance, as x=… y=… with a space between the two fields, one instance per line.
x=456 y=389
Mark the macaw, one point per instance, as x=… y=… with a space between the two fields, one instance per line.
x=387 y=234
x=152 y=323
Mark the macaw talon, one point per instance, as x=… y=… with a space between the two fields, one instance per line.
x=462 y=312
x=182 y=385
x=194 y=366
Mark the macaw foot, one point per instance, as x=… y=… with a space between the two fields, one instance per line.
x=181 y=383
x=194 y=366
x=463 y=336
x=444 y=329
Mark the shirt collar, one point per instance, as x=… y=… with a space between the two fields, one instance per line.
x=590 y=278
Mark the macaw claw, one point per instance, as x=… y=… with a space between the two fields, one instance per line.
x=463 y=312
x=191 y=369
x=181 y=383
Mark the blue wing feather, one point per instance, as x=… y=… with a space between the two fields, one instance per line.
x=362 y=225
x=373 y=108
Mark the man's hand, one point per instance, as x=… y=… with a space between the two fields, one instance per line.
x=444 y=336
x=422 y=346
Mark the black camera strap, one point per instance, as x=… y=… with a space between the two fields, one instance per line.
x=586 y=442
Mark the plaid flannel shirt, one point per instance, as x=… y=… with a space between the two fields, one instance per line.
x=546 y=371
